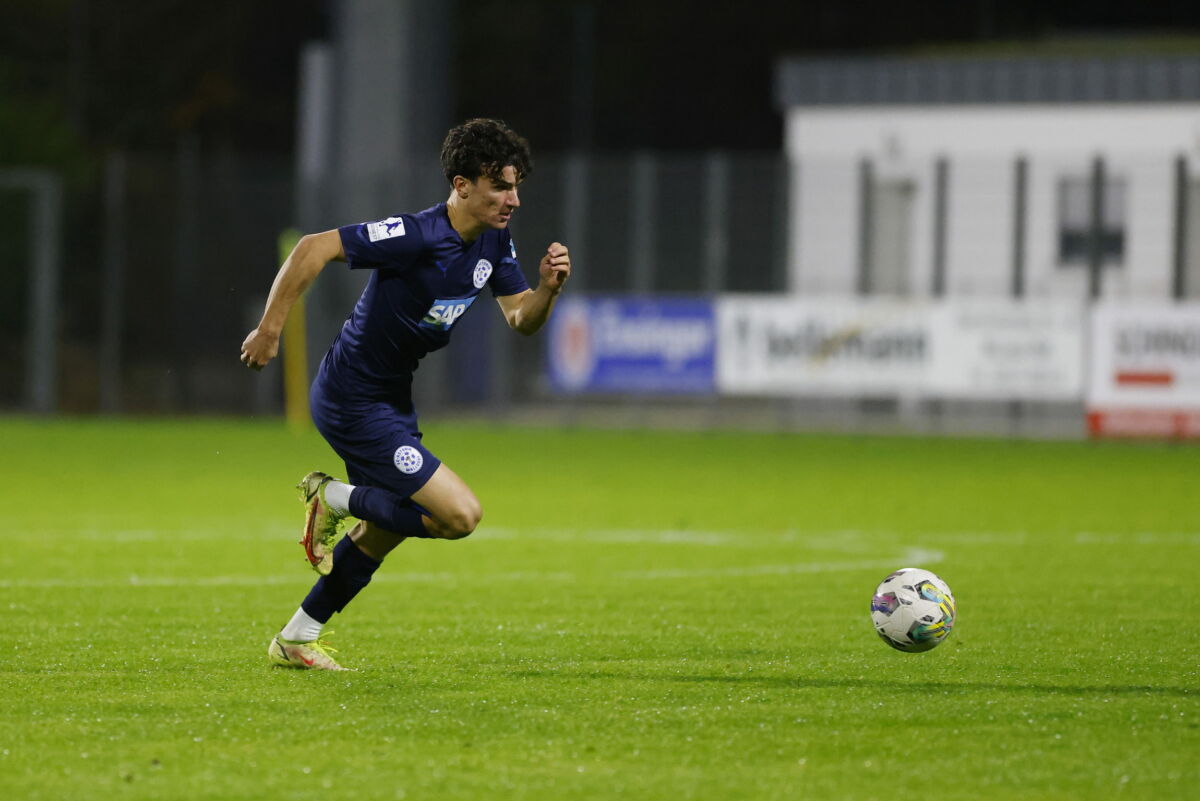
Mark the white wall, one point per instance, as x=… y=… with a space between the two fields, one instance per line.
x=979 y=225
x=823 y=230
x=1139 y=143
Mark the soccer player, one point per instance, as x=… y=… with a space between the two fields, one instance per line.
x=426 y=271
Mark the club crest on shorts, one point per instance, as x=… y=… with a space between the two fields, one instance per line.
x=483 y=271
x=408 y=459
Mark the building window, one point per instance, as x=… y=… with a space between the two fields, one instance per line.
x=1075 y=221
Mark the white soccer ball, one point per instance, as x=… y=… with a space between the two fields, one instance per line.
x=913 y=610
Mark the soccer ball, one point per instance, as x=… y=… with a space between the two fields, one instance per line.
x=913 y=610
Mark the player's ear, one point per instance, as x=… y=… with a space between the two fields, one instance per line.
x=462 y=186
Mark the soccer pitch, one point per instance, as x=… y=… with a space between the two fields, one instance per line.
x=647 y=615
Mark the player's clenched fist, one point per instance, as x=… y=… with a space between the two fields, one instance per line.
x=555 y=268
x=259 y=348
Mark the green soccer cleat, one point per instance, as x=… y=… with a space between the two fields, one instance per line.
x=320 y=522
x=313 y=655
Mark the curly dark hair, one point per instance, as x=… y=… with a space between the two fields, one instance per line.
x=484 y=147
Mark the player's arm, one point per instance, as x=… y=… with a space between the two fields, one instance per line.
x=301 y=268
x=528 y=311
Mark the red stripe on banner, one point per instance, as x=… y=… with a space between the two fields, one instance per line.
x=1158 y=379
x=1144 y=423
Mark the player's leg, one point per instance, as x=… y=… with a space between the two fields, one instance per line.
x=375 y=541
x=355 y=559
x=453 y=510
x=400 y=490
x=385 y=464
x=361 y=436
x=352 y=570
x=444 y=507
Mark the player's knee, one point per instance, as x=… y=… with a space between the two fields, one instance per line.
x=462 y=520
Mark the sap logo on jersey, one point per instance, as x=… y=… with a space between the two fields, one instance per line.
x=386 y=229
x=483 y=271
x=443 y=313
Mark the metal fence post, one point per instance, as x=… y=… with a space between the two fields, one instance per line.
x=788 y=174
x=183 y=283
x=1020 y=195
x=866 y=221
x=716 y=222
x=41 y=327
x=1179 y=286
x=941 y=187
x=113 y=284
x=576 y=190
x=1016 y=408
x=1096 y=231
x=641 y=224
x=42 y=347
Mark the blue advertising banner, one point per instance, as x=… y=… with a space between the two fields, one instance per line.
x=632 y=345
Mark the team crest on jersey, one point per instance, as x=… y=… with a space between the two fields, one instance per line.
x=443 y=313
x=386 y=229
x=483 y=271
x=408 y=459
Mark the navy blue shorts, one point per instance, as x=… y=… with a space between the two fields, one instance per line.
x=378 y=440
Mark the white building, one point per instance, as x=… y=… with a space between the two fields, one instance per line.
x=931 y=177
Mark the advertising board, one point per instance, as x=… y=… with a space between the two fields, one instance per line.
x=1145 y=371
x=632 y=345
x=772 y=345
x=1007 y=350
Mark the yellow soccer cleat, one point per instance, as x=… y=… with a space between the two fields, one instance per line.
x=313 y=655
x=320 y=522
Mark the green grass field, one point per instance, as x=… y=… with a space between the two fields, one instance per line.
x=641 y=615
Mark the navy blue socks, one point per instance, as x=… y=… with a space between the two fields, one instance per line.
x=352 y=570
x=387 y=510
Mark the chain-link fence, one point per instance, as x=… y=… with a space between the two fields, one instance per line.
x=167 y=260
x=166 y=263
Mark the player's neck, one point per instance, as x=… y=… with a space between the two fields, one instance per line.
x=467 y=227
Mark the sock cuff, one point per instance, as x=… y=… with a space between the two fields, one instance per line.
x=337 y=495
x=316 y=606
x=358 y=497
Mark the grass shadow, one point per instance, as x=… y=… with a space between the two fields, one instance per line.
x=806 y=682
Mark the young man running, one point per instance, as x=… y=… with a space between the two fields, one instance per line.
x=426 y=271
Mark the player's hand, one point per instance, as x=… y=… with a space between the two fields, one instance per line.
x=259 y=348
x=555 y=268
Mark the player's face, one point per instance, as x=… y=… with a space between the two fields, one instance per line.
x=492 y=202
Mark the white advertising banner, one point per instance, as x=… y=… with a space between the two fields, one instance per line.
x=1001 y=350
x=772 y=345
x=1007 y=350
x=1145 y=370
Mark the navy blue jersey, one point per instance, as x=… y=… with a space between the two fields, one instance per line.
x=424 y=278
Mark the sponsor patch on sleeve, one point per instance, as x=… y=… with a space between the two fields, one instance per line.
x=386 y=229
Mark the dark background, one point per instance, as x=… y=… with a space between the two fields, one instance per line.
x=199 y=98
x=78 y=77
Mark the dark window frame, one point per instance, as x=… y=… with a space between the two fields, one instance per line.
x=1073 y=224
